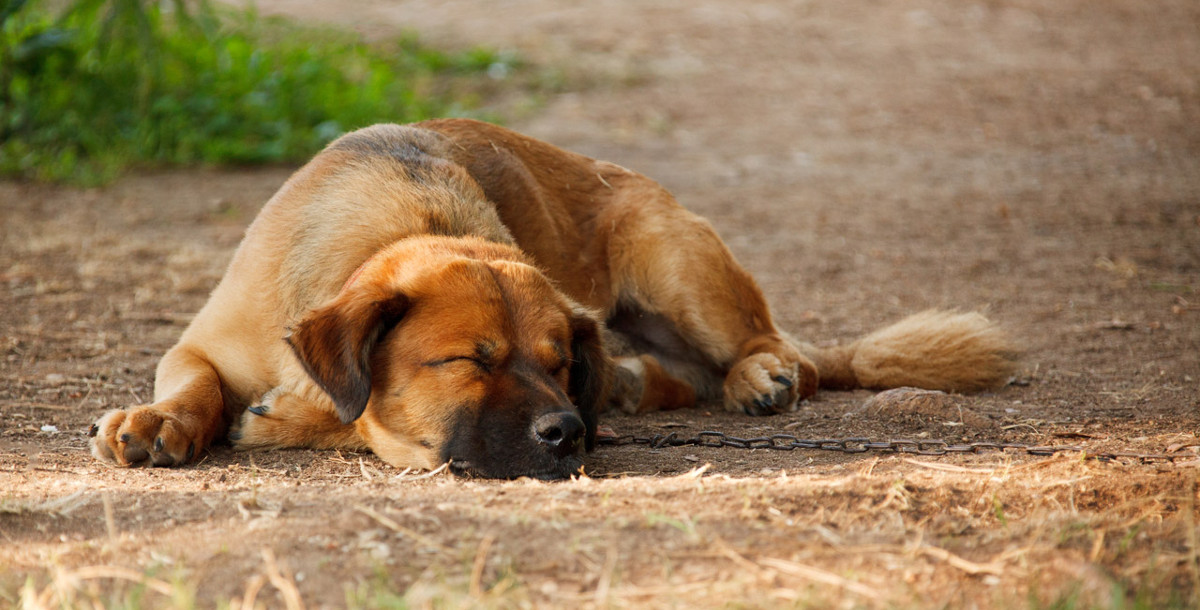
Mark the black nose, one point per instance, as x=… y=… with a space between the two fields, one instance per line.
x=559 y=432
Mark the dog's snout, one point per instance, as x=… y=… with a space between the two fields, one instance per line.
x=559 y=432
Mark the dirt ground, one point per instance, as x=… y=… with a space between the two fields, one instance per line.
x=1038 y=161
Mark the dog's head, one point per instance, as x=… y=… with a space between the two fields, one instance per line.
x=463 y=353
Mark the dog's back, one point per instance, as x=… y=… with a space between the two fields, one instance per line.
x=366 y=190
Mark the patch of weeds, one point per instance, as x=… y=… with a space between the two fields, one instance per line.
x=109 y=587
x=378 y=593
x=1173 y=288
x=1127 y=541
x=1118 y=599
x=434 y=591
x=1076 y=532
x=1064 y=601
x=108 y=84
x=1156 y=589
x=998 y=511
x=684 y=525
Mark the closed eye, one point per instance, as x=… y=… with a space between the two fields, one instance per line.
x=444 y=361
x=484 y=356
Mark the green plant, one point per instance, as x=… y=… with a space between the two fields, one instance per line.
x=107 y=84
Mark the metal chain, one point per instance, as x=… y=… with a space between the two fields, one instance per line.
x=787 y=442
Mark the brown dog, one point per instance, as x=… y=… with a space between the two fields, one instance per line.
x=454 y=291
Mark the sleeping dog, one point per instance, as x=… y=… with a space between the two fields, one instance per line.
x=452 y=291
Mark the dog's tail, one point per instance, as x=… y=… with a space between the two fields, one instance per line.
x=935 y=350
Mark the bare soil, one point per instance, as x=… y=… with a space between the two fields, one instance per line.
x=1038 y=161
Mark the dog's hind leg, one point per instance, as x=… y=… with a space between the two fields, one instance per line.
x=282 y=419
x=642 y=384
x=682 y=297
x=188 y=413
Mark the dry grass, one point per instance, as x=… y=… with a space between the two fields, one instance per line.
x=895 y=533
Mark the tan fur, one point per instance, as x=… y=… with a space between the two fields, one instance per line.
x=935 y=350
x=441 y=291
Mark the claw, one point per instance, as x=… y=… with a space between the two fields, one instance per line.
x=259 y=410
x=158 y=445
x=190 y=452
x=92 y=430
x=784 y=381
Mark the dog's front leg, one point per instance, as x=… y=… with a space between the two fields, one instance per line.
x=187 y=414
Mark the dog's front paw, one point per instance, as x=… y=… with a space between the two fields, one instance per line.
x=764 y=384
x=143 y=436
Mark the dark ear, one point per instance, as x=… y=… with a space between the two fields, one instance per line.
x=335 y=341
x=590 y=373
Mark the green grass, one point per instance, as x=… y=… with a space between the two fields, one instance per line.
x=104 y=85
x=1118 y=599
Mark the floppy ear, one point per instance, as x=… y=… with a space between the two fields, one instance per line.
x=590 y=372
x=334 y=343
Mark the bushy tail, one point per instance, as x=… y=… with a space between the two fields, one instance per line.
x=935 y=350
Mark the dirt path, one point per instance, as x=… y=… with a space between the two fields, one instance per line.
x=1039 y=161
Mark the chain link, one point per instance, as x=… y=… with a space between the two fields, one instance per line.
x=787 y=442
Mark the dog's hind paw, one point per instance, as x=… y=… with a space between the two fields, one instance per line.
x=256 y=426
x=284 y=419
x=764 y=384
